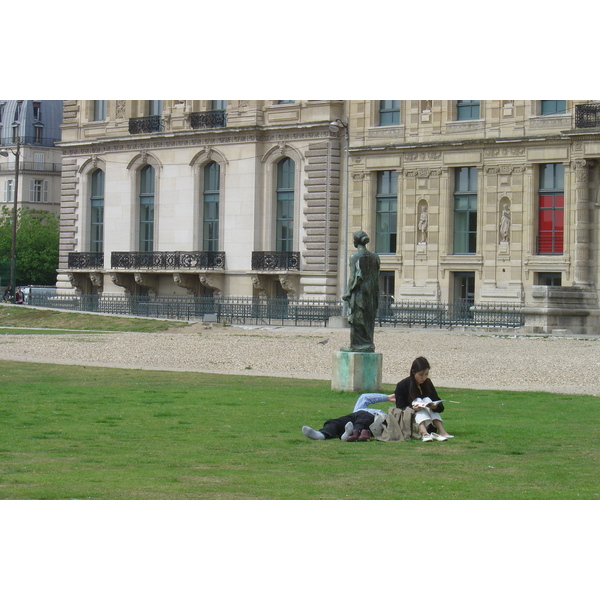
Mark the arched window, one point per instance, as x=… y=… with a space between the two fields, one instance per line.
x=97 y=212
x=147 y=209
x=284 y=228
x=210 y=210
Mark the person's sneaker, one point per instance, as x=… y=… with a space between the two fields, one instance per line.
x=437 y=437
x=365 y=435
x=427 y=437
x=347 y=431
x=309 y=432
x=353 y=436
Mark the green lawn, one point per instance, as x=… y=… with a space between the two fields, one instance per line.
x=96 y=433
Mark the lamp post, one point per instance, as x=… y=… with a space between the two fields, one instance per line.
x=13 y=245
x=334 y=127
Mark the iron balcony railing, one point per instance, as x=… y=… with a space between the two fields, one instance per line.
x=27 y=140
x=145 y=124
x=86 y=260
x=587 y=115
x=235 y=310
x=208 y=119
x=32 y=166
x=275 y=261
x=167 y=260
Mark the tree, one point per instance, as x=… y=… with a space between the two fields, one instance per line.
x=37 y=244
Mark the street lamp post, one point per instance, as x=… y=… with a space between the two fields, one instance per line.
x=334 y=127
x=13 y=245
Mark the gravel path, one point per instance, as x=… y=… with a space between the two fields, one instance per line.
x=459 y=360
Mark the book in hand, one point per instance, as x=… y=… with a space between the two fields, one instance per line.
x=425 y=402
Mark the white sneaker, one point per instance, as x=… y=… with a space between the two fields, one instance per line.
x=347 y=431
x=309 y=432
x=438 y=438
x=426 y=437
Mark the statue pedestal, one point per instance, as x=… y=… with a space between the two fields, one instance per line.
x=357 y=371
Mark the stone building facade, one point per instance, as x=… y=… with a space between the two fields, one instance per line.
x=32 y=126
x=236 y=198
x=474 y=201
x=491 y=201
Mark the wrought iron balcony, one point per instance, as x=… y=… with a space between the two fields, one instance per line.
x=276 y=261
x=145 y=124
x=587 y=115
x=207 y=119
x=86 y=260
x=167 y=260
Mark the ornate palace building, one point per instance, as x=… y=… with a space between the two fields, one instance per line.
x=202 y=197
x=475 y=201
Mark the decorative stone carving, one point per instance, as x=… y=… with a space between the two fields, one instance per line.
x=97 y=279
x=505 y=221
x=423 y=224
x=123 y=280
x=147 y=281
x=210 y=282
x=259 y=283
x=187 y=281
x=121 y=105
x=290 y=285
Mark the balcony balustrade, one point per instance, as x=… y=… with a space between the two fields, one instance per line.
x=587 y=115
x=208 y=119
x=86 y=260
x=275 y=261
x=145 y=124
x=167 y=260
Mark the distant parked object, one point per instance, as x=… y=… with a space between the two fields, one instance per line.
x=37 y=290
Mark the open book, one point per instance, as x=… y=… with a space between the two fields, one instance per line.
x=425 y=402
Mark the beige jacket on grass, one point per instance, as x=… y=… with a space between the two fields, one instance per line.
x=397 y=426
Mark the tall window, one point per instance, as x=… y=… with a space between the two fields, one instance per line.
x=99 y=110
x=467 y=110
x=553 y=107
x=9 y=190
x=210 y=211
x=218 y=104
x=147 y=209
x=465 y=210
x=154 y=107
x=389 y=112
x=551 y=209
x=284 y=227
x=386 y=209
x=38 y=190
x=37 y=111
x=39 y=134
x=97 y=212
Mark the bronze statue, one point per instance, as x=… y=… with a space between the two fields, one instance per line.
x=362 y=295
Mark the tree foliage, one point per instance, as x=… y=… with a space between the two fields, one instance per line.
x=37 y=244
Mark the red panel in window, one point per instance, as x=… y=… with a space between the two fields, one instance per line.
x=559 y=201
x=546 y=201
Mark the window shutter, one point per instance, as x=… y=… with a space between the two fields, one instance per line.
x=31 y=190
x=45 y=192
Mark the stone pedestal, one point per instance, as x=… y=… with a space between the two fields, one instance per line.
x=357 y=371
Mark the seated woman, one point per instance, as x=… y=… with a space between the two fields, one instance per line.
x=417 y=386
x=353 y=427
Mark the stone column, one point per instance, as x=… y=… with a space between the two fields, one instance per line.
x=582 y=222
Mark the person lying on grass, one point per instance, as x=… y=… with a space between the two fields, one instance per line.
x=418 y=392
x=355 y=426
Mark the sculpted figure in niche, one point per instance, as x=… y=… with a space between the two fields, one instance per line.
x=423 y=223
x=362 y=295
x=505 y=223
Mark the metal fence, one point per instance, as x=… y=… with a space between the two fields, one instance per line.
x=281 y=311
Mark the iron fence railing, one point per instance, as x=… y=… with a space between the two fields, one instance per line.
x=238 y=310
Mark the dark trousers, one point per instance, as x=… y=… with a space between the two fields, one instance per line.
x=335 y=427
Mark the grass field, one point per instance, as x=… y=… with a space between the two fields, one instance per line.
x=96 y=433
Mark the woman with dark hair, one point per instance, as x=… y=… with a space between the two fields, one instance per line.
x=418 y=392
